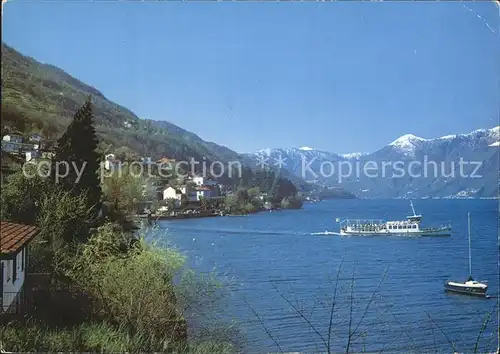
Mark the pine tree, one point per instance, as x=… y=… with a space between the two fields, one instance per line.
x=78 y=147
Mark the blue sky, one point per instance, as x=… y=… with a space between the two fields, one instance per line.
x=343 y=77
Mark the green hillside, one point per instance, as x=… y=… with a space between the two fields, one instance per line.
x=43 y=98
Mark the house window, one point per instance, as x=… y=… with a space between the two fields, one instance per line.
x=8 y=271
x=14 y=269
x=22 y=260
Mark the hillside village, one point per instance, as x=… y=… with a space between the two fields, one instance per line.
x=167 y=190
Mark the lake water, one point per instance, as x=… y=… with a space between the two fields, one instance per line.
x=287 y=262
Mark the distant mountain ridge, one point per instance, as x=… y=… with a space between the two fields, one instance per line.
x=409 y=143
x=42 y=98
x=478 y=146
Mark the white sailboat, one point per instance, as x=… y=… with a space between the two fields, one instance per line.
x=470 y=287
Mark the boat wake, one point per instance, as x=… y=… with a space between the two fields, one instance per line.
x=326 y=233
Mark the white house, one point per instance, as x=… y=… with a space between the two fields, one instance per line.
x=12 y=143
x=14 y=242
x=12 y=138
x=202 y=181
x=31 y=155
x=173 y=193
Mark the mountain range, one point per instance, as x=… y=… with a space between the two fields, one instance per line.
x=42 y=98
x=431 y=167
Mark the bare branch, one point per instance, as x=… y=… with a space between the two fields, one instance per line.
x=486 y=321
x=263 y=325
x=334 y=299
x=442 y=332
x=350 y=309
x=367 y=307
x=301 y=315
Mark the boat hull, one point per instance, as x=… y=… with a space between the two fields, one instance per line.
x=468 y=290
x=440 y=232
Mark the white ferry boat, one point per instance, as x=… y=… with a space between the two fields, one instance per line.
x=409 y=227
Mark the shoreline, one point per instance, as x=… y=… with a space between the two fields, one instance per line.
x=155 y=217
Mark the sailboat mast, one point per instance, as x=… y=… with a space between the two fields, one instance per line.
x=470 y=263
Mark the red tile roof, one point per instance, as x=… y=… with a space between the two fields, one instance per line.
x=203 y=188
x=165 y=160
x=14 y=236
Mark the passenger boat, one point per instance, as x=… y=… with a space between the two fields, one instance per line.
x=409 y=227
x=470 y=287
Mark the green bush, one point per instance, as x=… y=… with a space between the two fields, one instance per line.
x=132 y=289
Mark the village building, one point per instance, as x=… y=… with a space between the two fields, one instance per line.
x=203 y=181
x=35 y=138
x=173 y=193
x=12 y=143
x=16 y=144
x=14 y=242
x=33 y=155
x=146 y=160
x=110 y=161
x=12 y=138
x=205 y=192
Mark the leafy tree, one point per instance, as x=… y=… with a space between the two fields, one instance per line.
x=231 y=204
x=171 y=204
x=21 y=196
x=124 y=190
x=291 y=203
x=62 y=217
x=254 y=192
x=242 y=194
x=205 y=204
x=78 y=147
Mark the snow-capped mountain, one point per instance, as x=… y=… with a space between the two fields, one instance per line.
x=292 y=159
x=296 y=152
x=353 y=155
x=479 y=147
x=410 y=145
